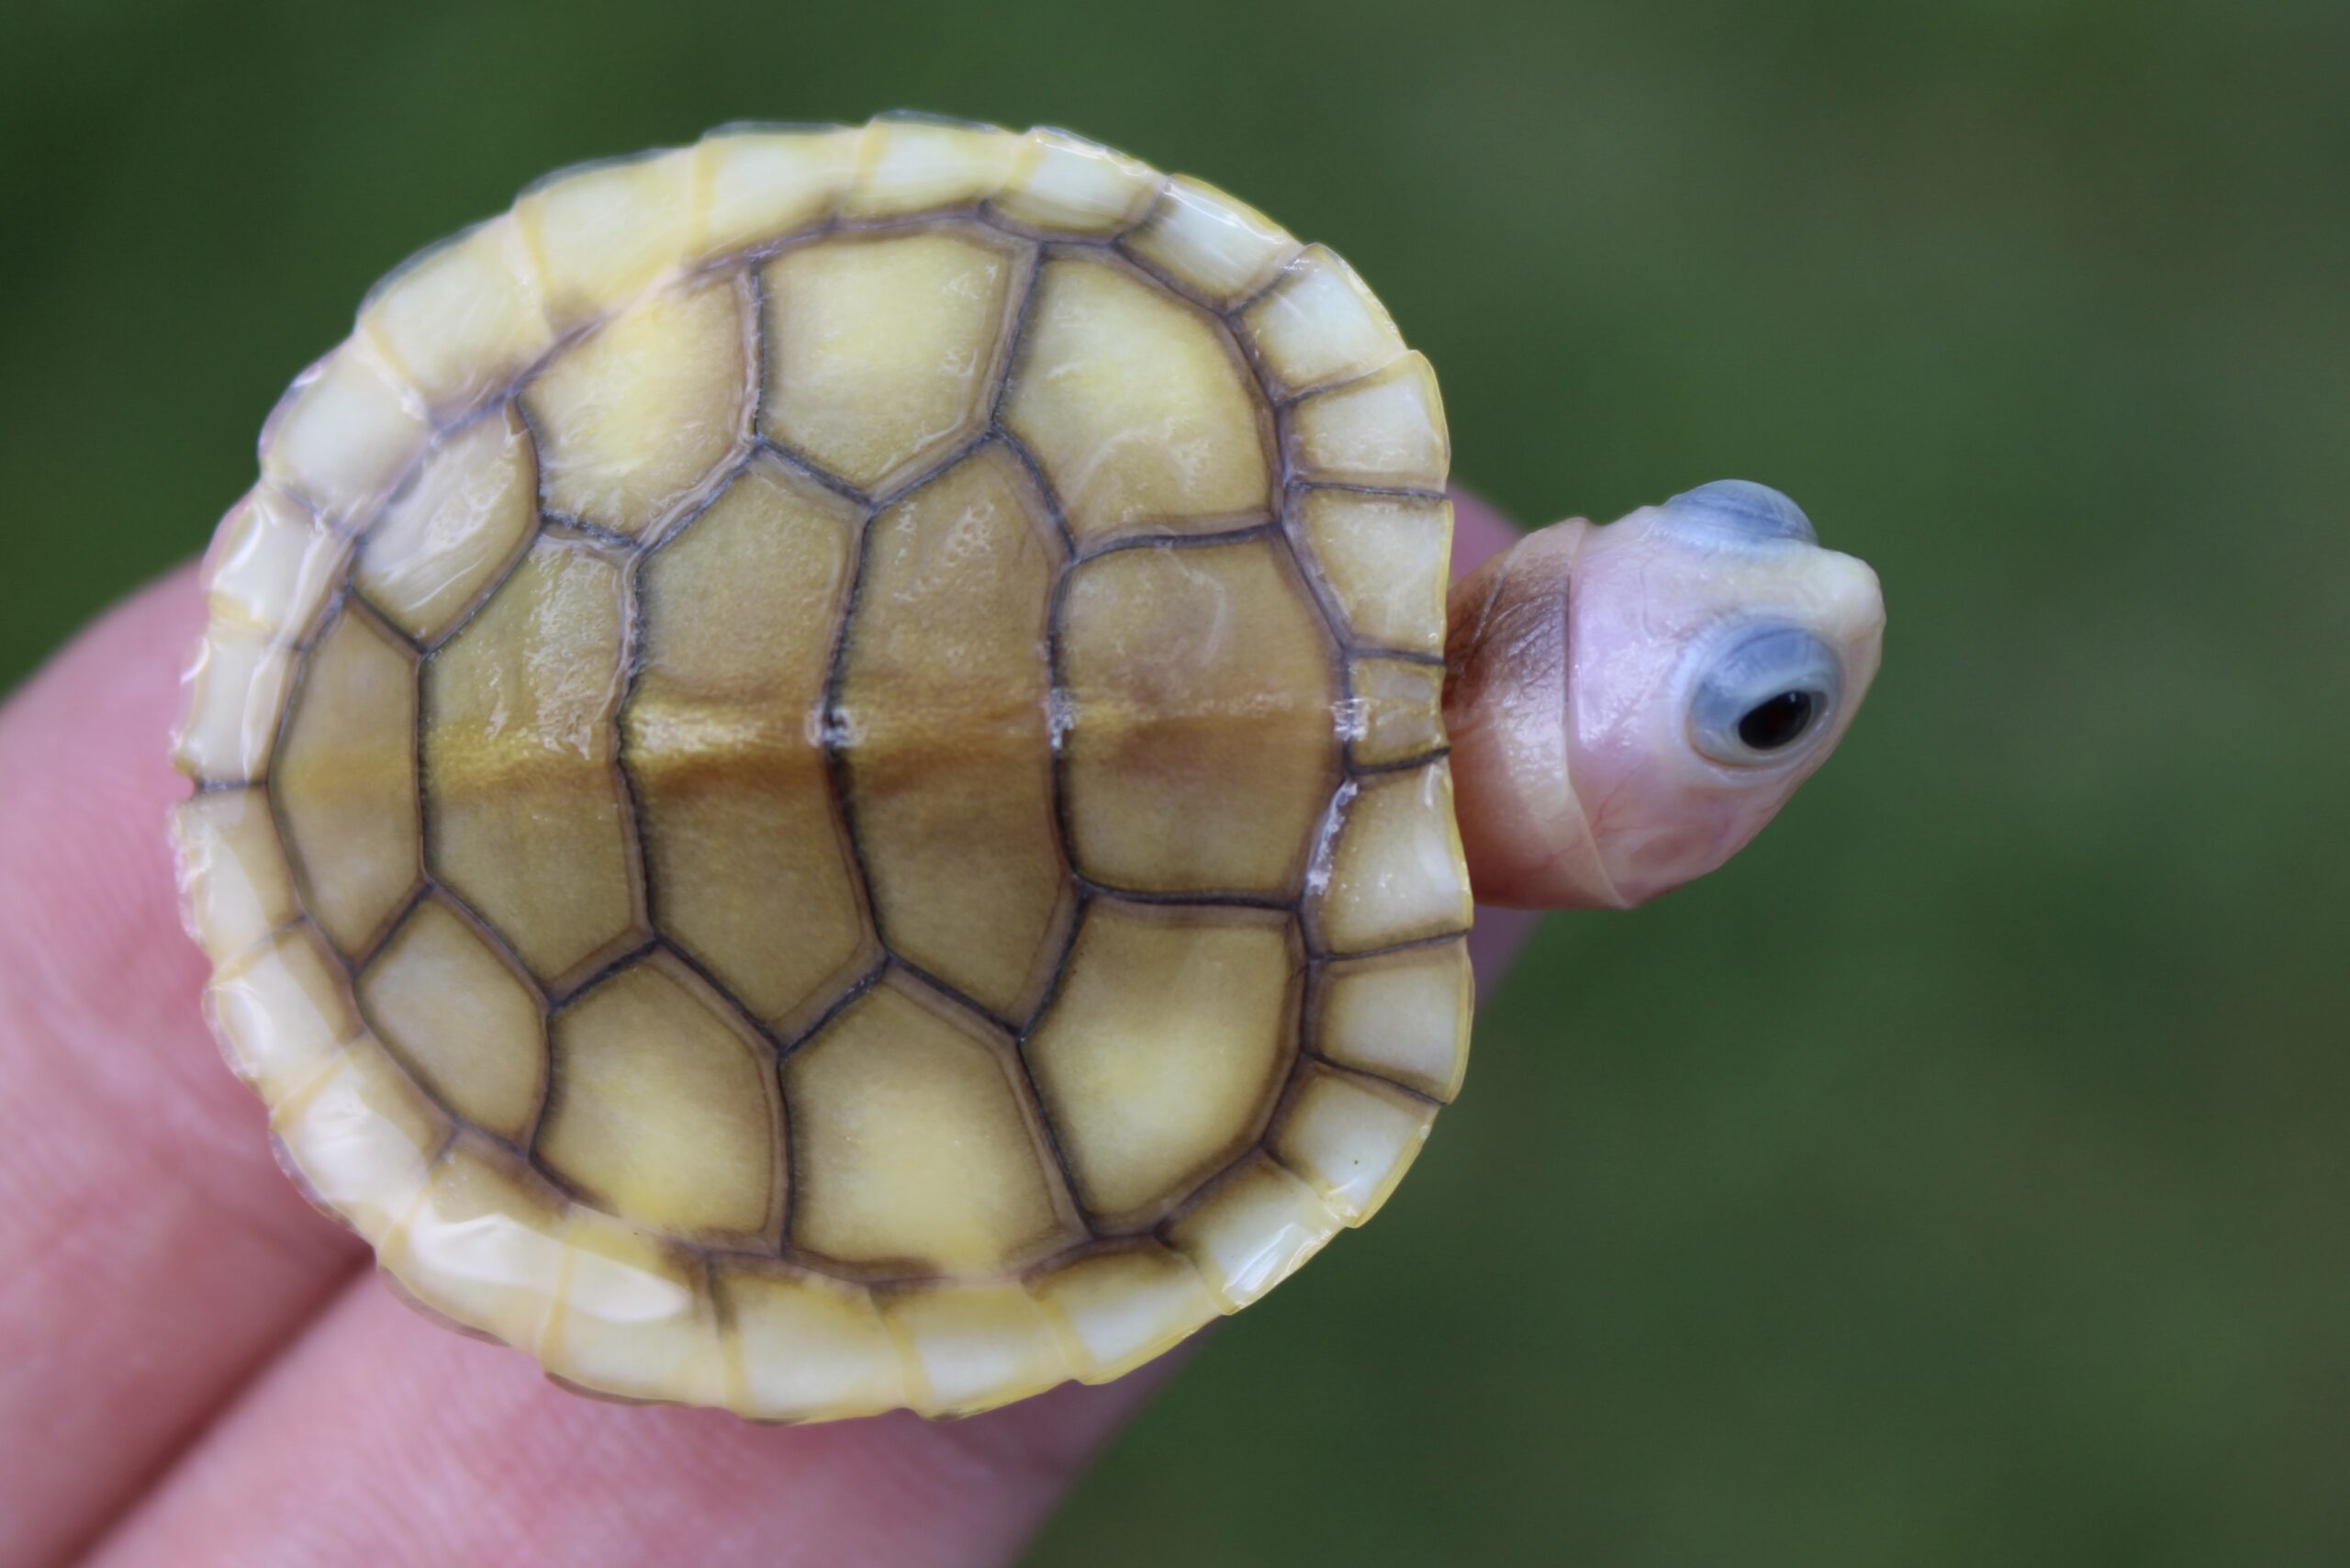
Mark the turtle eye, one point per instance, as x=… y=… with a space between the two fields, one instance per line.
x=1764 y=697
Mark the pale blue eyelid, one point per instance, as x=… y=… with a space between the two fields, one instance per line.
x=1744 y=508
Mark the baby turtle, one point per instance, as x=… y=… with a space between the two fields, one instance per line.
x=822 y=762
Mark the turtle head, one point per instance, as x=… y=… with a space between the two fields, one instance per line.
x=1630 y=704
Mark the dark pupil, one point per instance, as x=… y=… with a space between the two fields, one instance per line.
x=1780 y=722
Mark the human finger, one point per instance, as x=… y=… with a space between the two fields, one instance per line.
x=381 y=1438
x=151 y=1252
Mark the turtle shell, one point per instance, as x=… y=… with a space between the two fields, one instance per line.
x=820 y=774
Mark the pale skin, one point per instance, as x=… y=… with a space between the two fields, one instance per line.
x=195 y=1366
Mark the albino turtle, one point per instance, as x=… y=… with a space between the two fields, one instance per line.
x=823 y=774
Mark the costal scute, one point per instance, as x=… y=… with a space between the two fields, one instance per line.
x=820 y=775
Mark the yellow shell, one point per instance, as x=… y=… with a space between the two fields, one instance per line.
x=820 y=783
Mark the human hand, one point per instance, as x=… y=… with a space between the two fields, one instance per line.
x=193 y=1370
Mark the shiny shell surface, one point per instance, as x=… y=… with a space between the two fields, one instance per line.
x=819 y=782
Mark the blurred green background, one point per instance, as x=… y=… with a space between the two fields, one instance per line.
x=1964 y=1176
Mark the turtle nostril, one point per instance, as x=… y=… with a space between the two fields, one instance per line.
x=1742 y=506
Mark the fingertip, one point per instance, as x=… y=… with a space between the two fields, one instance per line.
x=1479 y=532
x=1495 y=941
x=1044 y=1443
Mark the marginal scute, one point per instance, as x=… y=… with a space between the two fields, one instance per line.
x=973 y=1346
x=1351 y=1137
x=1401 y=1015
x=750 y=871
x=483 y=1245
x=1207 y=241
x=1120 y=1307
x=763 y=184
x=345 y=780
x=1202 y=746
x=883 y=352
x=282 y=1012
x=361 y=1139
x=913 y=1152
x=634 y=417
x=809 y=1347
x=600 y=234
x=525 y=819
x=1252 y=1229
x=1399 y=710
x=663 y=1108
x=235 y=886
x=344 y=433
x=463 y=320
x=467 y=1027
x=1383 y=557
x=1137 y=406
x=1065 y=184
x=1319 y=324
x=1396 y=871
x=236 y=696
x=470 y=511
x=944 y=724
x=271 y=568
x=635 y=1319
x=912 y=163
x=1164 y=1048
x=1386 y=429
